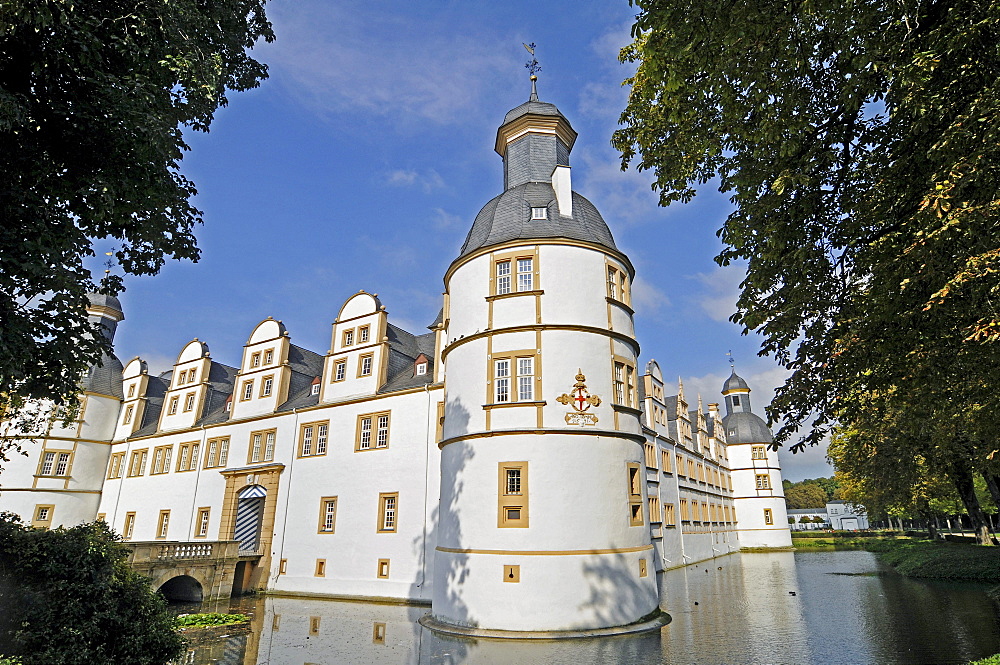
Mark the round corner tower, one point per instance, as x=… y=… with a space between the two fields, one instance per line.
x=758 y=495
x=542 y=522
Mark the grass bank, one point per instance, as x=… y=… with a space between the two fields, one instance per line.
x=939 y=560
x=209 y=620
x=992 y=660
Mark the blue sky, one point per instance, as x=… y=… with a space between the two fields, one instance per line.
x=363 y=159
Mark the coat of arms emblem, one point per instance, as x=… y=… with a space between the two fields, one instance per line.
x=580 y=400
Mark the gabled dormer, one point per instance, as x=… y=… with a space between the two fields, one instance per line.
x=679 y=419
x=135 y=382
x=654 y=406
x=264 y=376
x=356 y=363
x=184 y=401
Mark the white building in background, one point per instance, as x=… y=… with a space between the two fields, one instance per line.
x=846 y=517
x=511 y=466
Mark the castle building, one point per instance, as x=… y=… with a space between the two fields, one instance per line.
x=512 y=467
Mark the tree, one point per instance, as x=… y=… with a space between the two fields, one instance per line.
x=94 y=98
x=861 y=147
x=70 y=598
x=805 y=495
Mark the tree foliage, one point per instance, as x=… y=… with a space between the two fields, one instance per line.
x=70 y=598
x=805 y=495
x=861 y=145
x=94 y=99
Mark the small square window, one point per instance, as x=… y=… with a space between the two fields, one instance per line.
x=421 y=369
x=539 y=213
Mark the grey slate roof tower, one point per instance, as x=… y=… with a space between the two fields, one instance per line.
x=535 y=141
x=741 y=424
x=105 y=378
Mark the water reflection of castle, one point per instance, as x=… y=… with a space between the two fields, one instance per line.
x=512 y=465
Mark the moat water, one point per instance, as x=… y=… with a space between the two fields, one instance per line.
x=795 y=608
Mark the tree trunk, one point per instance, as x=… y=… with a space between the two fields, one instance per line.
x=993 y=484
x=962 y=478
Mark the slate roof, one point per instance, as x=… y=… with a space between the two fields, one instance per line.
x=532 y=106
x=404 y=347
x=105 y=378
x=746 y=427
x=99 y=300
x=156 y=388
x=734 y=382
x=508 y=217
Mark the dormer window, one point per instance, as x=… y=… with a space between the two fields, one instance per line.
x=349 y=337
x=269 y=356
x=539 y=213
x=315 y=389
x=736 y=400
x=421 y=369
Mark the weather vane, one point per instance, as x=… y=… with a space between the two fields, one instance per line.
x=109 y=263
x=532 y=65
x=732 y=361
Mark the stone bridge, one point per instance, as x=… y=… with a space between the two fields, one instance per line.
x=194 y=571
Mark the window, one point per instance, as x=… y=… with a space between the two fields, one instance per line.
x=269 y=356
x=383 y=569
x=680 y=465
x=129 y=526
x=262 y=446
x=315 y=389
x=501 y=381
x=618 y=285
x=191 y=375
x=255 y=359
x=349 y=337
x=387 y=512
x=54 y=464
x=421 y=369
x=701 y=472
x=312 y=439
x=282 y=568
x=539 y=213
x=373 y=431
x=620 y=383
x=42 y=517
x=634 y=494
x=758 y=452
x=650 y=451
x=188 y=402
x=685 y=513
x=116 y=465
x=314 y=621
x=218 y=452
x=736 y=402
x=162 y=524
x=339 y=370
x=665 y=458
x=187 y=456
x=763 y=481
x=266 y=386
x=203 y=518
x=161 y=460
x=669 y=515
x=612 y=283
x=327 y=514
x=654 y=509
x=137 y=463
x=768 y=516
x=378 y=633
x=363 y=334
x=503 y=278
x=131 y=390
x=512 y=490
x=524 y=380
x=247 y=391
x=320 y=572
x=525 y=275
x=173 y=406
x=129 y=410
x=365 y=364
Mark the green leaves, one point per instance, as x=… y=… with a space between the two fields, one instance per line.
x=93 y=98
x=861 y=145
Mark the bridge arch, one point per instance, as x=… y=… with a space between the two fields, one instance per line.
x=181 y=588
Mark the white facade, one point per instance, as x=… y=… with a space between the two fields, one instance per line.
x=511 y=466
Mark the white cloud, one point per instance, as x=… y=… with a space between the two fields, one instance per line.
x=624 y=197
x=428 y=180
x=355 y=58
x=443 y=220
x=721 y=289
x=158 y=363
x=647 y=297
x=606 y=97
